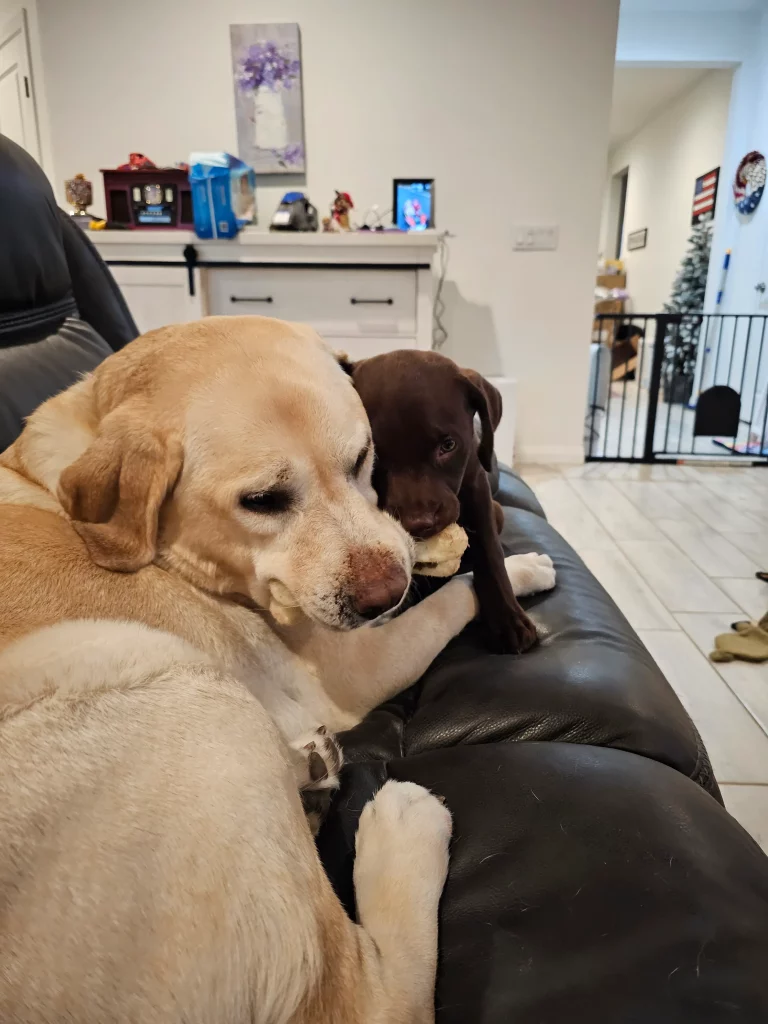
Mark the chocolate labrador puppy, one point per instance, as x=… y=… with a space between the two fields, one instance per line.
x=431 y=467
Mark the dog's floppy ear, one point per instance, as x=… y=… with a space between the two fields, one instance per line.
x=115 y=490
x=344 y=362
x=486 y=401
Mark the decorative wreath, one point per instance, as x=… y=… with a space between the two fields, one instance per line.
x=749 y=183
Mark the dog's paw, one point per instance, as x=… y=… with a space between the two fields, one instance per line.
x=509 y=630
x=402 y=843
x=318 y=764
x=530 y=574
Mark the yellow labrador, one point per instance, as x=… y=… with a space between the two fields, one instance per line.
x=157 y=721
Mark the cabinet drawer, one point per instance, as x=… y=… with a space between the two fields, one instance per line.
x=336 y=302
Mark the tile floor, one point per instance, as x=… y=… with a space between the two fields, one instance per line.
x=677 y=548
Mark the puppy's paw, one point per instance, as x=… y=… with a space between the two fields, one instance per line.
x=401 y=851
x=509 y=630
x=530 y=574
x=318 y=763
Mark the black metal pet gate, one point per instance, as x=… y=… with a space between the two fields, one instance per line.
x=678 y=386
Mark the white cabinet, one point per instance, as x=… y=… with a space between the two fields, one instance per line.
x=346 y=303
x=157 y=296
x=365 y=293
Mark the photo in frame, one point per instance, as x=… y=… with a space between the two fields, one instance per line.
x=637 y=239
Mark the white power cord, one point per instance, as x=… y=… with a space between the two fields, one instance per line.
x=373 y=216
x=439 y=331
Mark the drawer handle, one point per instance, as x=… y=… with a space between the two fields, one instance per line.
x=247 y=298
x=372 y=302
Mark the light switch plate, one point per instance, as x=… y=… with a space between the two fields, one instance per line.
x=533 y=238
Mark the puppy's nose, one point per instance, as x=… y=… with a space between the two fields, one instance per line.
x=420 y=525
x=376 y=595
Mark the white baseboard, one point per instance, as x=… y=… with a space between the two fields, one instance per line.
x=544 y=455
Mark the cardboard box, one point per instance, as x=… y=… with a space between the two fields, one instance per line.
x=610 y=306
x=612 y=280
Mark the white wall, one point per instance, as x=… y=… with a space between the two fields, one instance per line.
x=747 y=130
x=505 y=103
x=745 y=236
x=664 y=158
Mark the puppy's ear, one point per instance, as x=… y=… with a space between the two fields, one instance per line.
x=345 y=362
x=115 y=490
x=486 y=402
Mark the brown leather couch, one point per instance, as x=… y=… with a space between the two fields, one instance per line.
x=595 y=877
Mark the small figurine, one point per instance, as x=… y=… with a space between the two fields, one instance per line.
x=137 y=162
x=79 y=194
x=342 y=204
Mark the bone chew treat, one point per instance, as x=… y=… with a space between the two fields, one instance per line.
x=441 y=555
x=283 y=606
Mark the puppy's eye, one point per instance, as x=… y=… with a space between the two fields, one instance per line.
x=446 y=446
x=269 y=502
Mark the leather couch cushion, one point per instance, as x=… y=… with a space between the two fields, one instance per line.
x=99 y=301
x=592 y=878
x=590 y=680
x=48 y=268
x=30 y=374
x=586 y=885
x=509 y=489
x=33 y=266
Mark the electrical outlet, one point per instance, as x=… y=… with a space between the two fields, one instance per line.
x=534 y=239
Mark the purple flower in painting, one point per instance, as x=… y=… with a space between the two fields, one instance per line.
x=265 y=64
x=291 y=155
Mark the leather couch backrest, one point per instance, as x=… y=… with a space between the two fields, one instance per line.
x=29 y=374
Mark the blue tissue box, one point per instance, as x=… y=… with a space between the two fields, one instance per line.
x=223 y=194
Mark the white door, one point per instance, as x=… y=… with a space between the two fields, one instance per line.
x=18 y=119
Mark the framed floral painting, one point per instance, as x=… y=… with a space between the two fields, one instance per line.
x=266 y=65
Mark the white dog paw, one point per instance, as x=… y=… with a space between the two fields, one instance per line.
x=402 y=842
x=530 y=573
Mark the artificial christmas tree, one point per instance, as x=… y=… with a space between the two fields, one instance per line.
x=682 y=339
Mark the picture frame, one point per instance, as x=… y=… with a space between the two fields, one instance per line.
x=269 y=106
x=637 y=239
x=420 y=191
x=705 y=196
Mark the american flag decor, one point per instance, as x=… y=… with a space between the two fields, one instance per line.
x=704 y=196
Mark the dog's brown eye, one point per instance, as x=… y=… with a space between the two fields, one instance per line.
x=266 y=501
x=446 y=446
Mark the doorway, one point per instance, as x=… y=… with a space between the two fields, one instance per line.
x=617 y=204
x=668 y=133
x=18 y=117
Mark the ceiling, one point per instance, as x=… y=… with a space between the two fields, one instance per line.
x=638 y=93
x=693 y=6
